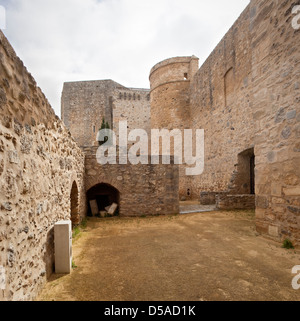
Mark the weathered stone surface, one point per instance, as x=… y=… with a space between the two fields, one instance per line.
x=102 y=214
x=294 y=210
x=262 y=202
x=1 y=146
x=286 y=133
x=273 y=231
x=7 y=206
x=280 y=116
x=17 y=127
x=245 y=96
x=112 y=209
x=297 y=148
x=13 y=157
x=11 y=256
x=208 y=198
x=7 y=121
x=26 y=144
x=31 y=199
x=297 y=129
x=104 y=98
x=3 y=99
x=94 y=207
x=292 y=191
x=227 y=202
x=142 y=188
x=291 y=114
x=1 y=166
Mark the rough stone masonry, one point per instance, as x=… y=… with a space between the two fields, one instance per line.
x=246 y=96
x=39 y=164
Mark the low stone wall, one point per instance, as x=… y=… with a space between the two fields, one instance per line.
x=208 y=198
x=144 y=189
x=230 y=202
x=39 y=163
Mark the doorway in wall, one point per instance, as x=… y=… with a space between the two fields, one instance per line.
x=245 y=182
x=104 y=195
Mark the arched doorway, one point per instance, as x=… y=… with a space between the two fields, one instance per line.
x=104 y=195
x=74 y=205
x=246 y=172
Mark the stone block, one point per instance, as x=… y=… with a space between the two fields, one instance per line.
x=63 y=247
x=94 y=207
x=102 y=214
x=261 y=202
x=276 y=189
x=13 y=157
x=260 y=213
x=273 y=231
x=208 y=198
x=291 y=191
x=291 y=114
x=286 y=133
x=113 y=209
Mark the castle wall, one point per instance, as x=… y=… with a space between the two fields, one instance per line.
x=86 y=103
x=170 y=102
x=133 y=106
x=276 y=114
x=39 y=162
x=246 y=96
x=169 y=83
x=144 y=189
x=221 y=104
x=83 y=106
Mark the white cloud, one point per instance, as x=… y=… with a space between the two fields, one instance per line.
x=112 y=39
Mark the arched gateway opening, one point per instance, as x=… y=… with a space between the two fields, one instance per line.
x=102 y=195
x=74 y=205
x=246 y=172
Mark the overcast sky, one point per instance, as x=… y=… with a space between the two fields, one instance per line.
x=72 y=40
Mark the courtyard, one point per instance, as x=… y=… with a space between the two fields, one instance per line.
x=210 y=256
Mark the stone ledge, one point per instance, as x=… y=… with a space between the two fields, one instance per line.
x=230 y=202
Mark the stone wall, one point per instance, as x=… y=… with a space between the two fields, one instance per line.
x=144 y=189
x=132 y=105
x=221 y=105
x=83 y=106
x=39 y=162
x=208 y=198
x=246 y=97
x=86 y=103
x=170 y=101
x=276 y=114
x=235 y=202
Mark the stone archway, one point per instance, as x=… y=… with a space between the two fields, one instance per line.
x=74 y=205
x=105 y=195
x=246 y=172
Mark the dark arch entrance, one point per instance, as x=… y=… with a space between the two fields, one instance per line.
x=246 y=172
x=105 y=195
x=74 y=205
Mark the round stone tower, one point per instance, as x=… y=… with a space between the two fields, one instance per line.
x=170 y=103
x=170 y=84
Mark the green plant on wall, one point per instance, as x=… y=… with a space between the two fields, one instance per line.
x=104 y=125
x=287 y=244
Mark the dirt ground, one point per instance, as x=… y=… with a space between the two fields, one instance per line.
x=204 y=256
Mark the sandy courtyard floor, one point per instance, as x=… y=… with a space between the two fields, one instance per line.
x=205 y=256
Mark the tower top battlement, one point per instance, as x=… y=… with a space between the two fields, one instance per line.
x=173 y=69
